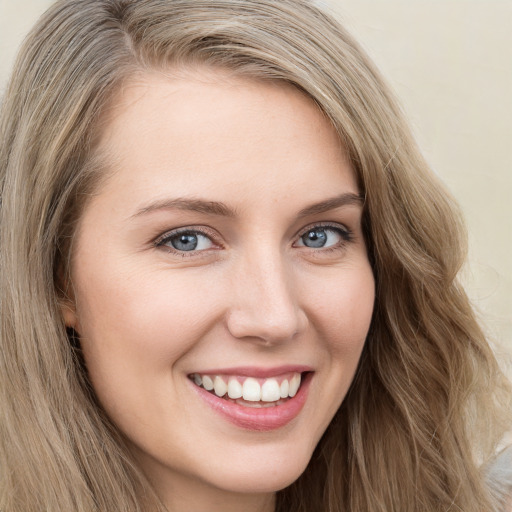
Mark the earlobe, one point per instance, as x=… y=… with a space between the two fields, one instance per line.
x=66 y=301
x=68 y=313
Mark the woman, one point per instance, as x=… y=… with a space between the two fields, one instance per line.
x=228 y=276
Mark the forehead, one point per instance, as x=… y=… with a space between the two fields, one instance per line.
x=201 y=97
x=202 y=129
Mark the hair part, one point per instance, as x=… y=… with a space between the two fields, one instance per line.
x=409 y=436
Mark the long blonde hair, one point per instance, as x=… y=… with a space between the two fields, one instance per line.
x=427 y=406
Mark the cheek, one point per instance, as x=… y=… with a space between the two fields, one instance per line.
x=133 y=324
x=134 y=330
x=343 y=310
x=340 y=311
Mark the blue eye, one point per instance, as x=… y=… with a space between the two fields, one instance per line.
x=187 y=241
x=321 y=237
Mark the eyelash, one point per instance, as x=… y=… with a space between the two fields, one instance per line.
x=162 y=241
x=345 y=233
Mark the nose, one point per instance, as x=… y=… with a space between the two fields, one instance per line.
x=265 y=306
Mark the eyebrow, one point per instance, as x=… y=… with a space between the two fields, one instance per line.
x=221 y=209
x=347 y=199
x=189 y=204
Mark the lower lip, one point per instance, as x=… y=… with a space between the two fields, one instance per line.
x=258 y=418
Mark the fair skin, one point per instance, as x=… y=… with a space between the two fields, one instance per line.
x=268 y=278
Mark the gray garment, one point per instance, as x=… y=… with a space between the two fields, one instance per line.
x=499 y=478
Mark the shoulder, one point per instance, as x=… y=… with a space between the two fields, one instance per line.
x=499 y=479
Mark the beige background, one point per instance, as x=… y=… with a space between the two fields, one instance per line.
x=450 y=62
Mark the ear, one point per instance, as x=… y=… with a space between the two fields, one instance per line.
x=66 y=298
x=68 y=312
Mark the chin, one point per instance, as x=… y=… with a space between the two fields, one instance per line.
x=266 y=474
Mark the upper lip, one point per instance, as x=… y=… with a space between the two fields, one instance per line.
x=256 y=371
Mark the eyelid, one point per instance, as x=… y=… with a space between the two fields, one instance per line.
x=201 y=230
x=210 y=233
x=345 y=232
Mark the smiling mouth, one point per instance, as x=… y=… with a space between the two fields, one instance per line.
x=251 y=391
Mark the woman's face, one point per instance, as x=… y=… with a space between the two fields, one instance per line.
x=224 y=250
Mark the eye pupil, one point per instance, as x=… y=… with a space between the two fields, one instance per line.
x=185 y=242
x=315 y=238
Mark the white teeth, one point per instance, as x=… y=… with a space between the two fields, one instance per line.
x=207 y=383
x=234 y=389
x=285 y=386
x=270 y=391
x=294 y=385
x=251 y=390
x=219 y=386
